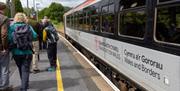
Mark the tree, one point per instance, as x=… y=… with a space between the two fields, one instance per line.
x=54 y=12
x=17 y=6
x=57 y=11
x=67 y=9
x=7 y=12
x=28 y=10
x=44 y=12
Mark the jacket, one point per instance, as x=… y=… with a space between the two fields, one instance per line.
x=3 y=32
x=16 y=51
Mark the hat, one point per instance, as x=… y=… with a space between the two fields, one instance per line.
x=2 y=6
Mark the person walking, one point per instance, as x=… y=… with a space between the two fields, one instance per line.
x=4 y=53
x=21 y=36
x=52 y=38
x=32 y=21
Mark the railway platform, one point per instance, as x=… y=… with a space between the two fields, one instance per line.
x=73 y=73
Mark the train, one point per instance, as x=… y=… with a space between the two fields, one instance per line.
x=135 y=43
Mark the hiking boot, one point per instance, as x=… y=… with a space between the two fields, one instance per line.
x=51 y=69
x=35 y=71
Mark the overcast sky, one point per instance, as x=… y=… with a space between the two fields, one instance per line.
x=46 y=3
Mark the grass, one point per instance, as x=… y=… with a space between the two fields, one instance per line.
x=59 y=26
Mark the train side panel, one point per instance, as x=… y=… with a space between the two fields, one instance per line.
x=154 y=70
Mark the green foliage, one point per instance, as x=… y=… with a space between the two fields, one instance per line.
x=54 y=12
x=44 y=12
x=18 y=6
x=66 y=9
x=7 y=12
x=28 y=10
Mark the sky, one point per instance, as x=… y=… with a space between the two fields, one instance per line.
x=46 y=3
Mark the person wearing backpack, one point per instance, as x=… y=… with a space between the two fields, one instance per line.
x=51 y=39
x=21 y=36
x=32 y=21
x=4 y=53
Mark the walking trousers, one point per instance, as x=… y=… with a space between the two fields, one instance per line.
x=4 y=69
x=23 y=63
x=52 y=54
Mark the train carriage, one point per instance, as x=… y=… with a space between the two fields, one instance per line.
x=136 y=42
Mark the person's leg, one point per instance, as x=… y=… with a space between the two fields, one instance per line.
x=54 y=49
x=18 y=63
x=4 y=70
x=25 y=69
x=35 y=56
x=50 y=53
x=40 y=44
x=44 y=45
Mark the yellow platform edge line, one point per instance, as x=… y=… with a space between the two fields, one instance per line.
x=59 y=77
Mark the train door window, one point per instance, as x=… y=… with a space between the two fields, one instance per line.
x=107 y=25
x=168 y=24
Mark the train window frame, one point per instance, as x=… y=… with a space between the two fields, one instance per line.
x=159 y=6
x=131 y=10
x=75 y=20
x=122 y=6
x=86 y=23
x=168 y=1
x=107 y=13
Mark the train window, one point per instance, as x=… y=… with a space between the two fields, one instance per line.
x=108 y=19
x=125 y=4
x=111 y=8
x=94 y=18
x=133 y=23
x=108 y=23
x=70 y=25
x=86 y=22
x=76 y=21
x=80 y=20
x=168 y=24
x=105 y=9
x=94 y=23
x=68 y=20
x=73 y=19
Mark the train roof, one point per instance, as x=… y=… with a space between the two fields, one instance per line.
x=81 y=6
